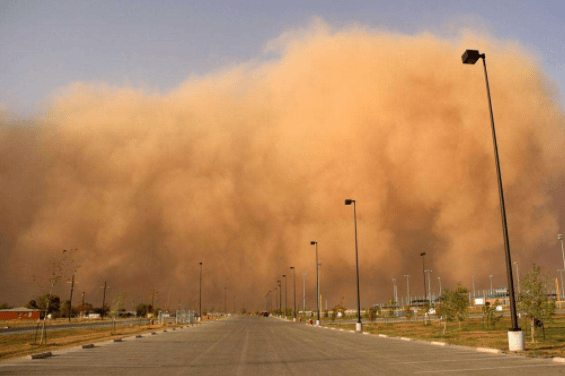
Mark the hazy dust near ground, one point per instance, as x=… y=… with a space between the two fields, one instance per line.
x=241 y=169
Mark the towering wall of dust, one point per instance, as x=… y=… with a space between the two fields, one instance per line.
x=243 y=168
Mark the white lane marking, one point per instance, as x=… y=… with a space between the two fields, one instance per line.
x=241 y=364
x=486 y=368
x=462 y=360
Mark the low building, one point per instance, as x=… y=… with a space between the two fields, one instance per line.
x=19 y=313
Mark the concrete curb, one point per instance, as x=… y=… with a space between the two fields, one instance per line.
x=489 y=350
x=139 y=336
x=405 y=339
x=41 y=355
x=439 y=343
x=88 y=346
x=558 y=360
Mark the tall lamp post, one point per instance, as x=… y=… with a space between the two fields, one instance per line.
x=313 y=242
x=304 y=292
x=294 y=291
x=285 y=296
x=358 y=325
x=200 y=305
x=515 y=335
x=518 y=278
x=407 y=288
x=280 y=298
x=490 y=277
x=424 y=273
x=560 y=237
x=429 y=285
x=474 y=287
x=439 y=281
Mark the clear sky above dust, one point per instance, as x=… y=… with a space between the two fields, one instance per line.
x=151 y=137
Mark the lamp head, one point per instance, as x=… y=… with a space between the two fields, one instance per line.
x=284 y=275
x=200 y=263
x=292 y=267
x=313 y=242
x=471 y=56
x=349 y=201
x=559 y=237
x=423 y=254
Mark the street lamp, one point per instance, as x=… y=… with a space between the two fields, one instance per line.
x=358 y=325
x=394 y=294
x=294 y=291
x=560 y=237
x=285 y=296
x=304 y=292
x=226 y=300
x=474 y=287
x=280 y=298
x=200 y=307
x=424 y=273
x=515 y=335
x=429 y=284
x=439 y=280
x=407 y=288
x=518 y=277
x=490 y=277
x=313 y=242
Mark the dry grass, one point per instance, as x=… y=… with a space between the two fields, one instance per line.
x=473 y=333
x=22 y=344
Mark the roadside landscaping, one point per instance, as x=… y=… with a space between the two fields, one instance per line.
x=473 y=333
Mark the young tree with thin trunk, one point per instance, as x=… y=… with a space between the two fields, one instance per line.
x=534 y=301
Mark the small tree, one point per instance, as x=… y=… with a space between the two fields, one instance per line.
x=533 y=298
x=142 y=309
x=372 y=313
x=489 y=314
x=455 y=304
x=408 y=312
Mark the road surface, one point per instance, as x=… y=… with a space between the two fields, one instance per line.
x=270 y=346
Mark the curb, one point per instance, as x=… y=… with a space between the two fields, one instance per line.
x=88 y=346
x=41 y=355
x=489 y=350
x=405 y=339
x=559 y=360
x=118 y=340
x=439 y=343
x=139 y=336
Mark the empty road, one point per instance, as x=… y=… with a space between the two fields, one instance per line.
x=269 y=346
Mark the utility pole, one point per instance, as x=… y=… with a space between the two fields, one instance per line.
x=226 y=300
x=424 y=273
x=103 y=301
x=153 y=293
x=407 y=288
x=71 y=298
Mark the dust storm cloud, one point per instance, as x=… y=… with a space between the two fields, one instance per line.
x=242 y=168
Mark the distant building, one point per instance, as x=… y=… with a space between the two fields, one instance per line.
x=19 y=313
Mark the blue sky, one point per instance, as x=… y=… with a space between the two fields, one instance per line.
x=45 y=45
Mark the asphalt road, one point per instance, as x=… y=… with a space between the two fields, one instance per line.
x=270 y=346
